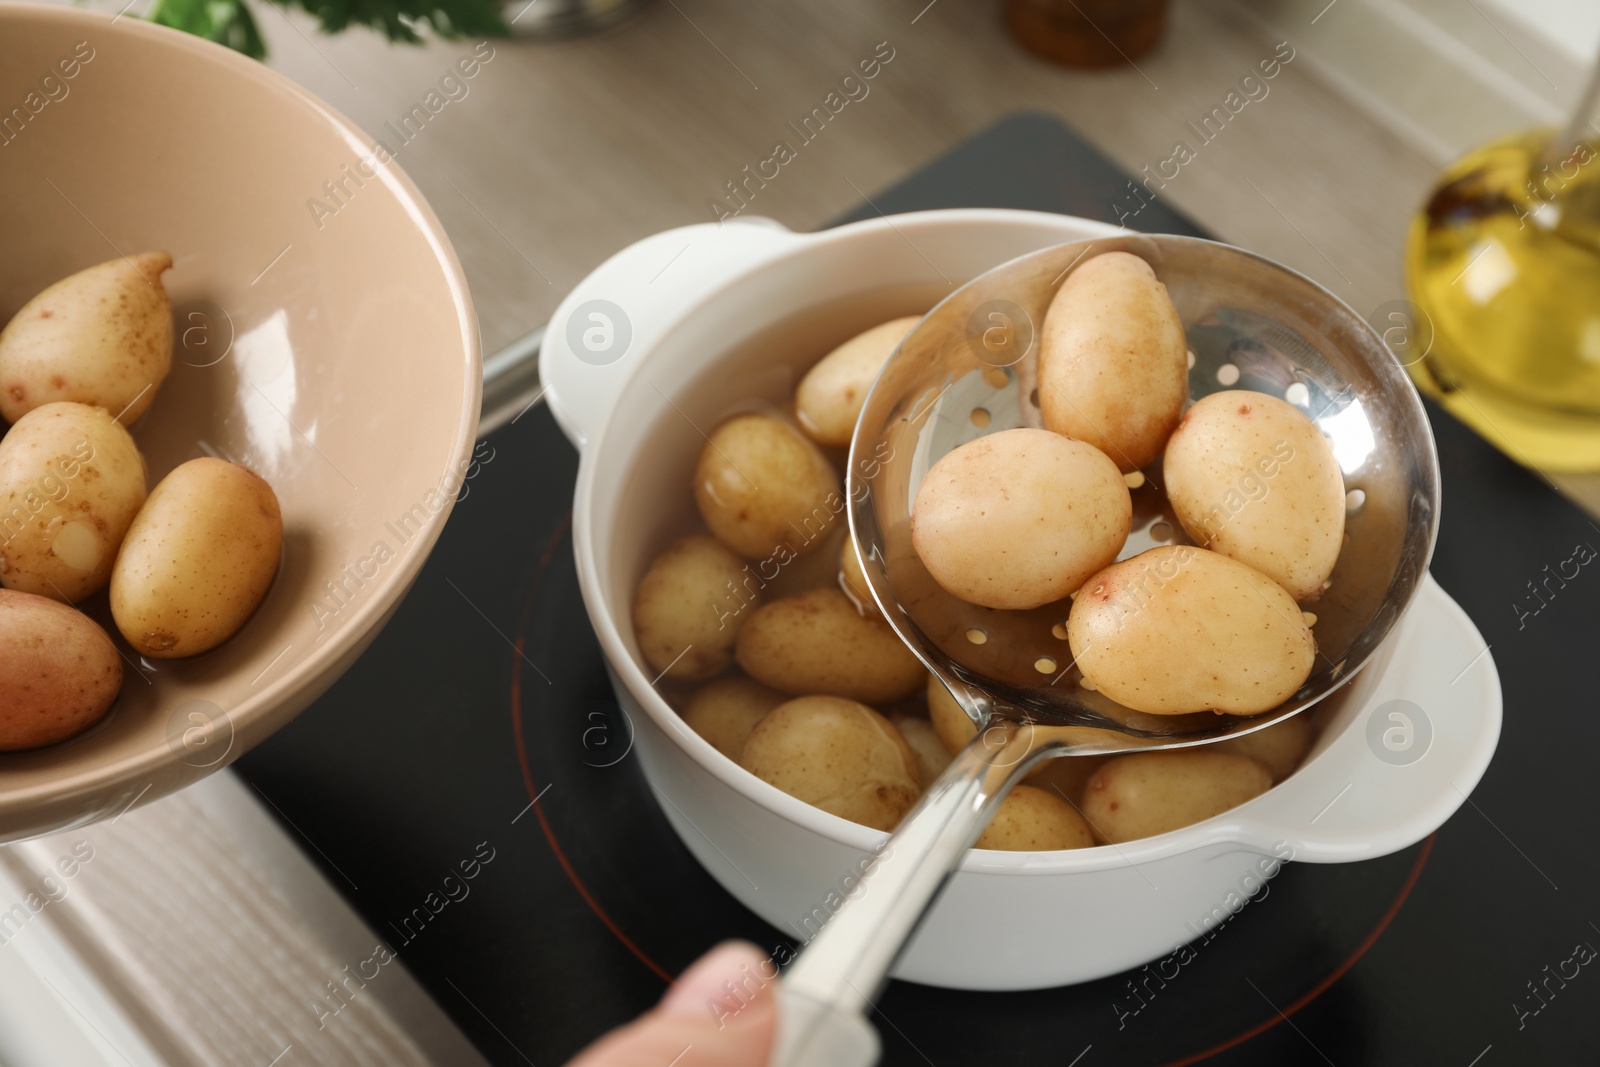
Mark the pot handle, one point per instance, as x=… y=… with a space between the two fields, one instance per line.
x=622 y=308
x=1426 y=727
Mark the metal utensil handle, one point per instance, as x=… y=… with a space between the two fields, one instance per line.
x=812 y=1033
x=846 y=963
x=510 y=382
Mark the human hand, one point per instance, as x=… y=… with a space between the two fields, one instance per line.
x=721 y=1012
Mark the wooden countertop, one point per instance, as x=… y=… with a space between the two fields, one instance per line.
x=560 y=154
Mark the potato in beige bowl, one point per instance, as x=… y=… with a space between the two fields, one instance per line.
x=279 y=351
x=752 y=313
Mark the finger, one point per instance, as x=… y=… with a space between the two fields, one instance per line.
x=719 y=1013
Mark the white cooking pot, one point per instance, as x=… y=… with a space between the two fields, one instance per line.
x=672 y=333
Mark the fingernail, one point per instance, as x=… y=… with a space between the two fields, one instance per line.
x=735 y=962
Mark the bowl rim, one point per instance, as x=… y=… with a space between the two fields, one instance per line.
x=298 y=687
x=1233 y=828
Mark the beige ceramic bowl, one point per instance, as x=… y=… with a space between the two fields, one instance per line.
x=337 y=356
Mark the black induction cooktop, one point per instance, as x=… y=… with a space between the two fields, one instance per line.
x=480 y=728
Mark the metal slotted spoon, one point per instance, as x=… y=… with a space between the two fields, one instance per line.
x=968 y=369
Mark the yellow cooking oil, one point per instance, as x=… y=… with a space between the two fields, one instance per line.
x=1503 y=267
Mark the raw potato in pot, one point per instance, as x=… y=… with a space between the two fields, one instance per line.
x=1179 y=629
x=59 y=672
x=1035 y=820
x=764 y=490
x=102 y=336
x=689 y=606
x=818 y=643
x=829 y=398
x=1251 y=477
x=1019 y=518
x=837 y=755
x=1279 y=747
x=952 y=725
x=198 y=559
x=1113 y=362
x=1151 y=793
x=71 y=482
x=932 y=758
x=817 y=569
x=954 y=730
x=1067 y=776
x=726 y=710
x=854 y=582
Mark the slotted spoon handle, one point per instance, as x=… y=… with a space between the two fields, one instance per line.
x=827 y=990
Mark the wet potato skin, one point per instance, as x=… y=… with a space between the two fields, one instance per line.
x=1151 y=793
x=726 y=710
x=952 y=725
x=854 y=582
x=817 y=642
x=1019 y=518
x=686 y=614
x=829 y=398
x=1031 y=819
x=1113 y=362
x=1012 y=521
x=198 y=559
x=1279 y=747
x=1179 y=629
x=71 y=483
x=1251 y=477
x=102 y=336
x=932 y=756
x=764 y=490
x=59 y=672
x=838 y=755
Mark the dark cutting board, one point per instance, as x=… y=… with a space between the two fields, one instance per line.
x=432 y=747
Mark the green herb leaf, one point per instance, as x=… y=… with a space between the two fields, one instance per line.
x=229 y=22
x=401 y=19
x=225 y=21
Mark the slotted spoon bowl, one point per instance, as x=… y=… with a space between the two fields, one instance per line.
x=968 y=370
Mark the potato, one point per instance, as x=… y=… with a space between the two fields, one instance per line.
x=726 y=710
x=932 y=758
x=689 y=607
x=1066 y=776
x=818 y=643
x=1279 y=747
x=854 y=583
x=59 y=672
x=952 y=725
x=954 y=730
x=71 y=482
x=102 y=336
x=1019 y=518
x=198 y=559
x=1251 y=477
x=838 y=755
x=1180 y=629
x=764 y=490
x=1034 y=820
x=817 y=569
x=1113 y=363
x=1151 y=793
x=829 y=398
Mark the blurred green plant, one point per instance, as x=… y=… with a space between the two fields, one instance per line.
x=229 y=22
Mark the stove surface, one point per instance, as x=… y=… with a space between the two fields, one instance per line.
x=480 y=734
